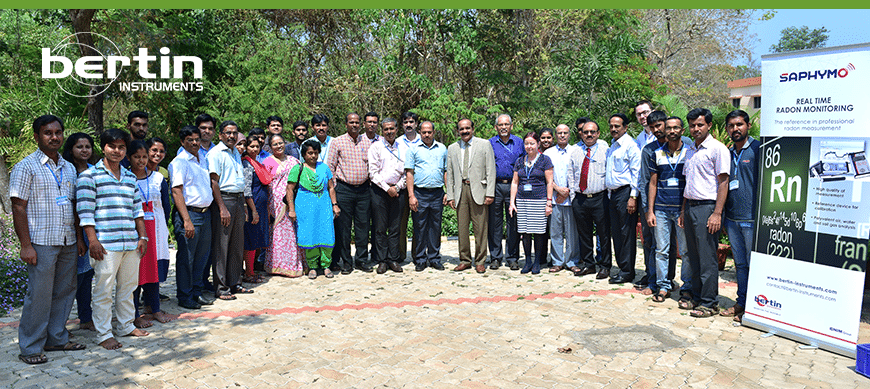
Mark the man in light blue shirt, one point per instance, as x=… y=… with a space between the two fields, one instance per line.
x=564 y=241
x=320 y=124
x=623 y=167
x=425 y=164
x=228 y=210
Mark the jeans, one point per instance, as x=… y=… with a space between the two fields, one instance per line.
x=666 y=221
x=740 y=235
x=563 y=237
x=192 y=257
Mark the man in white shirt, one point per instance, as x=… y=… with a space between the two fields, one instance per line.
x=192 y=193
x=387 y=173
x=320 y=124
x=623 y=167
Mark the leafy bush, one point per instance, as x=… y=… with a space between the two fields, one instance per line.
x=13 y=272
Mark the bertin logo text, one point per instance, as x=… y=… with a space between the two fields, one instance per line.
x=92 y=68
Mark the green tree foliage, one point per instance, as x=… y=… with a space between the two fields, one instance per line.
x=800 y=38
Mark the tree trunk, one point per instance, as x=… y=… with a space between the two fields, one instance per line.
x=5 y=201
x=81 y=22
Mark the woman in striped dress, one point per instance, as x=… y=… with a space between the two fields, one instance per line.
x=531 y=191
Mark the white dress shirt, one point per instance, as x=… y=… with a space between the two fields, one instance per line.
x=561 y=158
x=623 y=164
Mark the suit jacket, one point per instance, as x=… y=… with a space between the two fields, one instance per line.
x=481 y=174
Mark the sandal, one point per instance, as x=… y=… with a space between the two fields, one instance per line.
x=227 y=297
x=735 y=310
x=254 y=279
x=242 y=290
x=328 y=274
x=70 y=346
x=312 y=274
x=555 y=269
x=685 y=302
x=702 y=312
x=661 y=296
x=34 y=359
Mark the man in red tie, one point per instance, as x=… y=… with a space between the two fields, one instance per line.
x=586 y=171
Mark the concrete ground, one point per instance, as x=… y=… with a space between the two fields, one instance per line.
x=437 y=329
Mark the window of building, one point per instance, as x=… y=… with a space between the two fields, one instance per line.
x=735 y=102
x=756 y=102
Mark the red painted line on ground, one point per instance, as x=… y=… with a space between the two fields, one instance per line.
x=397 y=304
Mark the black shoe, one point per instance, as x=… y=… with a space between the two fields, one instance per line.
x=619 y=280
x=202 y=300
x=164 y=297
x=584 y=271
x=527 y=267
x=382 y=268
x=602 y=274
x=494 y=265
x=513 y=265
x=437 y=266
x=365 y=269
x=189 y=305
x=419 y=266
x=394 y=266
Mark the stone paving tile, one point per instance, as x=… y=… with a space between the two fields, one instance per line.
x=430 y=330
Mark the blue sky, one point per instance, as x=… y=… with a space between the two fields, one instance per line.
x=845 y=27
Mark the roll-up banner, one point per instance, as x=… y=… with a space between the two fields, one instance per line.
x=807 y=268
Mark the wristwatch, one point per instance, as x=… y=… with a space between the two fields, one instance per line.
x=145 y=238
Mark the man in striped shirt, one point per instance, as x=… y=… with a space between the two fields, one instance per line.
x=348 y=161
x=666 y=185
x=113 y=220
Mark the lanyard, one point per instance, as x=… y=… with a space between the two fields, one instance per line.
x=148 y=192
x=588 y=155
x=737 y=161
x=390 y=150
x=667 y=151
x=508 y=148
x=531 y=167
x=57 y=180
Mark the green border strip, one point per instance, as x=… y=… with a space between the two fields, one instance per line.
x=847 y=4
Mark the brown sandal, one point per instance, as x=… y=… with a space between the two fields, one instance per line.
x=34 y=359
x=661 y=296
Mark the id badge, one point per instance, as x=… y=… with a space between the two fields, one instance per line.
x=673 y=181
x=527 y=187
x=149 y=215
x=61 y=200
x=733 y=185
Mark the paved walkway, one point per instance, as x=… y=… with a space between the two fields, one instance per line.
x=437 y=329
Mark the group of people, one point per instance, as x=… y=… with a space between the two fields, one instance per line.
x=301 y=202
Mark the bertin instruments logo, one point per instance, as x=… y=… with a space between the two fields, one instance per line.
x=816 y=74
x=89 y=70
x=762 y=301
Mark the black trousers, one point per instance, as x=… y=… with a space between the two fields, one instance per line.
x=498 y=212
x=427 y=225
x=354 y=202
x=387 y=213
x=623 y=230
x=592 y=212
x=701 y=245
x=227 y=244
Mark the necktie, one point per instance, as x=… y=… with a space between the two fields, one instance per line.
x=584 y=172
x=467 y=163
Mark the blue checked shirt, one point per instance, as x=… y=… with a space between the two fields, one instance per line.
x=110 y=205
